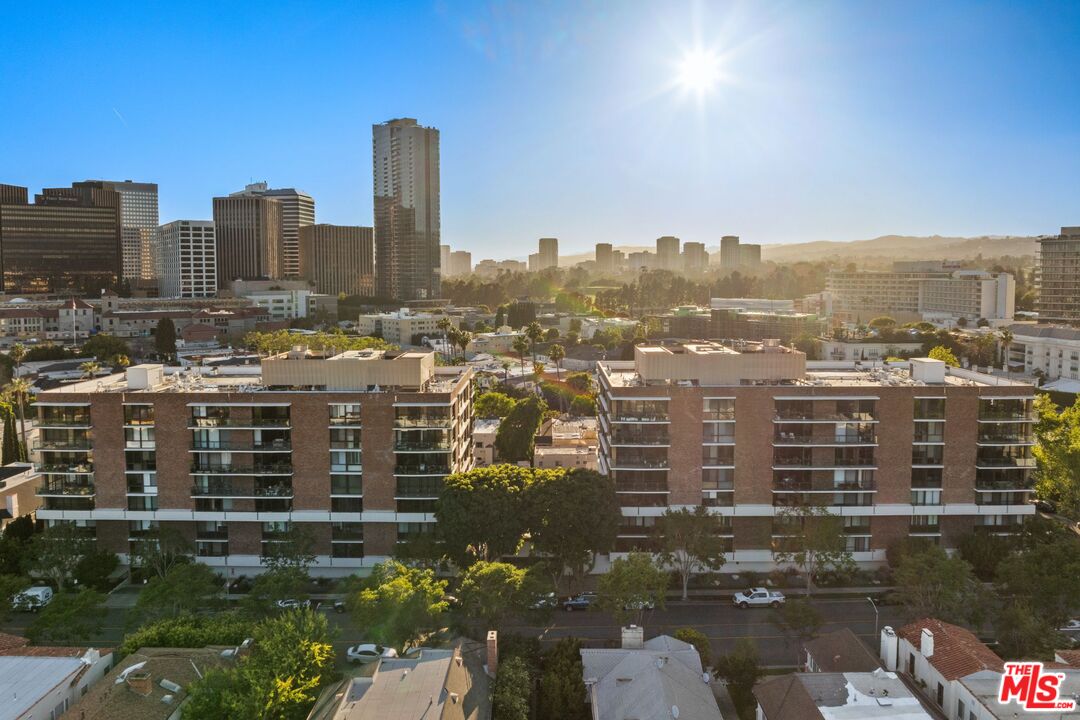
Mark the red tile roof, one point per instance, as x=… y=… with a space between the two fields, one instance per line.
x=957 y=652
x=1069 y=657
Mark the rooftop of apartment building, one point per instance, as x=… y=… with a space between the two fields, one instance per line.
x=297 y=370
x=714 y=364
x=833 y=695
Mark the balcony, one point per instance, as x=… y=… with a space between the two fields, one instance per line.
x=203 y=423
x=798 y=439
x=788 y=485
x=242 y=490
x=75 y=445
x=421 y=469
x=278 y=445
x=991 y=463
x=991 y=439
x=423 y=421
x=1000 y=485
x=639 y=463
x=65 y=422
x=345 y=421
x=262 y=469
x=640 y=486
x=855 y=499
x=63 y=489
x=432 y=446
x=791 y=416
x=66 y=469
x=622 y=437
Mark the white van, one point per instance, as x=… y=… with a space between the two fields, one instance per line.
x=33 y=599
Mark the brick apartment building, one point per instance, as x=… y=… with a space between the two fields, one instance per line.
x=912 y=449
x=352 y=446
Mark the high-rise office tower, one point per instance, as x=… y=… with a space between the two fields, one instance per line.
x=603 y=257
x=297 y=211
x=695 y=258
x=405 y=159
x=338 y=258
x=729 y=252
x=187 y=259
x=750 y=256
x=460 y=263
x=549 y=253
x=444 y=260
x=68 y=240
x=248 y=229
x=667 y=253
x=1058 y=275
x=138 y=225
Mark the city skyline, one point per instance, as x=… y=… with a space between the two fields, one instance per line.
x=839 y=122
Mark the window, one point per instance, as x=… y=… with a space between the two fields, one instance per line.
x=960 y=709
x=940 y=694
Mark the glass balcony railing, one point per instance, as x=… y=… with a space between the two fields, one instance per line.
x=65 y=489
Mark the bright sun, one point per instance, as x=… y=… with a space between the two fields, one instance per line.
x=699 y=71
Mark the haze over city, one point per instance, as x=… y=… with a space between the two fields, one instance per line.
x=779 y=122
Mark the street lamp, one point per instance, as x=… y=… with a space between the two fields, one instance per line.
x=873 y=605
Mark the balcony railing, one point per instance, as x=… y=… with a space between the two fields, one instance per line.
x=268 y=469
x=801 y=416
x=227 y=489
x=60 y=445
x=79 y=469
x=633 y=463
x=435 y=446
x=210 y=422
x=239 y=446
x=638 y=438
x=421 y=469
x=640 y=417
x=47 y=422
x=78 y=489
x=423 y=422
x=798 y=439
x=216 y=536
x=787 y=486
x=1004 y=462
x=999 y=485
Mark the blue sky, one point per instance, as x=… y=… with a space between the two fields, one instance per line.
x=831 y=120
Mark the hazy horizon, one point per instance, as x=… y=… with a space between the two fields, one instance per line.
x=829 y=121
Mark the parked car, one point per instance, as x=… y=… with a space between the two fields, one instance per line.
x=339 y=606
x=640 y=604
x=33 y=599
x=291 y=604
x=1071 y=626
x=758 y=597
x=579 y=602
x=369 y=653
x=1045 y=506
x=544 y=601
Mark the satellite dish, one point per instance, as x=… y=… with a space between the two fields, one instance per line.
x=675 y=711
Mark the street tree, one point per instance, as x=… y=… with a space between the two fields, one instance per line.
x=71 y=616
x=186 y=589
x=20 y=392
x=165 y=338
x=1057 y=454
x=481 y=513
x=190 y=631
x=516 y=436
x=931 y=583
x=160 y=550
x=574 y=516
x=814 y=542
x=1047 y=576
x=799 y=620
x=493 y=405
x=489 y=591
x=741 y=669
x=521 y=346
x=535 y=333
x=397 y=604
x=700 y=641
x=689 y=542
x=632 y=585
x=55 y=552
x=1022 y=633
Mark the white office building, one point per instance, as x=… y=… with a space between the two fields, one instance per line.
x=187 y=259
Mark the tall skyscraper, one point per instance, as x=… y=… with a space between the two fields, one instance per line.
x=68 y=240
x=444 y=260
x=138 y=225
x=603 y=257
x=549 y=253
x=749 y=255
x=460 y=263
x=297 y=211
x=405 y=159
x=248 y=229
x=187 y=259
x=695 y=258
x=1058 y=275
x=338 y=258
x=667 y=253
x=729 y=252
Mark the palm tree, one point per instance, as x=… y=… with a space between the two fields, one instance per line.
x=463 y=339
x=538 y=370
x=557 y=353
x=20 y=390
x=451 y=335
x=1006 y=336
x=17 y=353
x=506 y=371
x=444 y=324
x=521 y=346
x=89 y=369
x=535 y=333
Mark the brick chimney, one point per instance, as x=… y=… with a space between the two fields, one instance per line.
x=633 y=637
x=140 y=682
x=492 y=652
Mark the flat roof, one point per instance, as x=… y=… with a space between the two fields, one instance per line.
x=26 y=680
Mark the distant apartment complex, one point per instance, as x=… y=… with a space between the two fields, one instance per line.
x=546 y=257
x=249 y=239
x=402 y=326
x=353 y=447
x=187 y=259
x=1050 y=351
x=407 y=224
x=67 y=240
x=924 y=450
x=1058 y=274
x=338 y=258
x=297 y=211
x=604 y=259
x=915 y=291
x=736 y=255
x=138 y=225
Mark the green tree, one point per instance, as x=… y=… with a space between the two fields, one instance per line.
x=1022 y=633
x=10 y=586
x=20 y=392
x=521 y=346
x=160 y=550
x=398 y=604
x=583 y=406
x=55 y=552
x=294 y=549
x=513 y=687
x=186 y=589
x=882 y=322
x=1057 y=454
x=535 y=333
x=1047 y=576
x=70 y=616
x=12 y=448
x=741 y=669
x=95 y=568
x=1005 y=335
x=515 y=439
x=561 y=683
x=699 y=640
x=190 y=631
x=581 y=382
x=489 y=591
x=931 y=583
x=815 y=542
x=481 y=513
x=799 y=620
x=105 y=347
x=89 y=369
x=573 y=517
x=631 y=585
x=493 y=405
x=689 y=542
x=945 y=355
x=984 y=552
x=165 y=338
x=557 y=352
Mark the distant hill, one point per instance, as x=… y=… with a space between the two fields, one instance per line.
x=879 y=251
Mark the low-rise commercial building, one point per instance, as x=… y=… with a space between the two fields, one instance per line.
x=920 y=449
x=404 y=327
x=285 y=299
x=763 y=324
x=1052 y=351
x=352 y=446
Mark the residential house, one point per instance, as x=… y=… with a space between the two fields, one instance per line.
x=44 y=682
x=835 y=695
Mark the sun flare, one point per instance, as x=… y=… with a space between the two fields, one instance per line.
x=699 y=71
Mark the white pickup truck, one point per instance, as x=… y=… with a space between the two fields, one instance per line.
x=758 y=597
